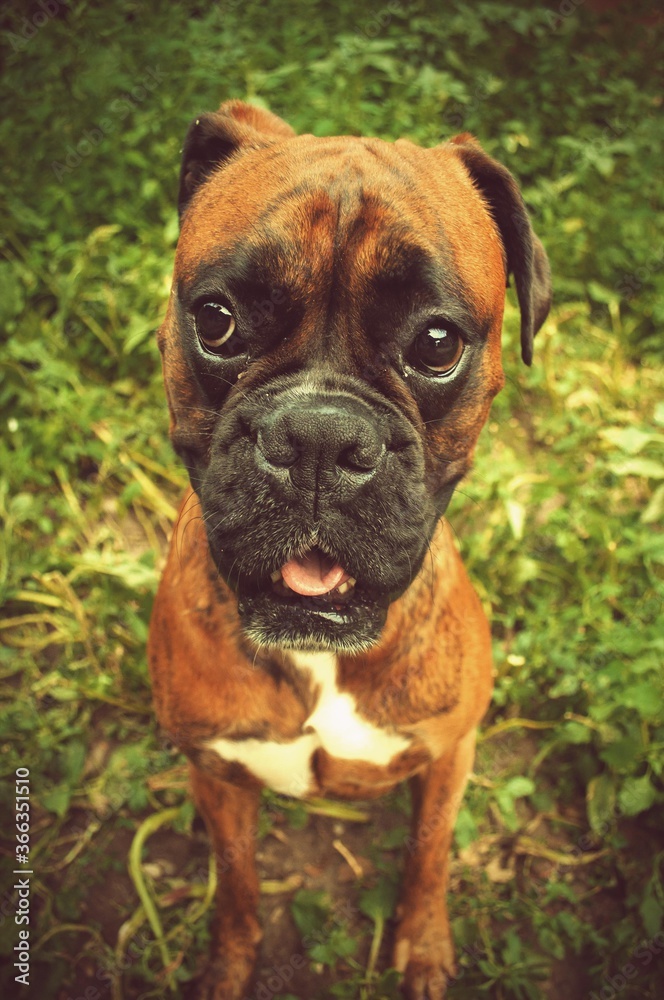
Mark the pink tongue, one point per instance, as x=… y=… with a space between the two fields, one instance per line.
x=313 y=573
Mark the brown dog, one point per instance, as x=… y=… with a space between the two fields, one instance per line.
x=330 y=352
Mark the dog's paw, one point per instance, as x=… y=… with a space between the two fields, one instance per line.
x=424 y=955
x=225 y=977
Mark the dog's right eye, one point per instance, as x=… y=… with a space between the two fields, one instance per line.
x=438 y=349
x=216 y=330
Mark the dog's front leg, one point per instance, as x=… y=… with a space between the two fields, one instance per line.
x=423 y=949
x=230 y=811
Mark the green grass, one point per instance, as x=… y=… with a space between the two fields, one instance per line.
x=557 y=881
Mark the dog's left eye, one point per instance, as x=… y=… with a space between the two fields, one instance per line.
x=438 y=349
x=215 y=327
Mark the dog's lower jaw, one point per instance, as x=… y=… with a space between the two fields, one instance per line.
x=348 y=629
x=311 y=642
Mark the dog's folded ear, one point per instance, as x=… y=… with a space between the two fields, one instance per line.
x=213 y=138
x=526 y=257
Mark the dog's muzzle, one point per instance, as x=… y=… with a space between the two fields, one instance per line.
x=316 y=514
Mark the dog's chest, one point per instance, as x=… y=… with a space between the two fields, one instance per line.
x=334 y=725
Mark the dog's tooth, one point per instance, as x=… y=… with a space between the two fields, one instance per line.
x=275 y=576
x=343 y=588
x=351 y=581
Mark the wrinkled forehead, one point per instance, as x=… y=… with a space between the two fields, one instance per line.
x=375 y=213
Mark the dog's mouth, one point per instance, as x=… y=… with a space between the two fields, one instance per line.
x=312 y=601
x=314 y=575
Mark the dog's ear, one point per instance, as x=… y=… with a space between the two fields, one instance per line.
x=526 y=257
x=213 y=138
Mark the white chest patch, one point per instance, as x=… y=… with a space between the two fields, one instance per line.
x=334 y=725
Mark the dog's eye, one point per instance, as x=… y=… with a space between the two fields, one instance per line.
x=438 y=349
x=215 y=327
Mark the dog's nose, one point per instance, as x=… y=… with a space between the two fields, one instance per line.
x=322 y=442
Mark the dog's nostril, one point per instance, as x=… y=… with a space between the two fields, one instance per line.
x=279 y=451
x=360 y=458
x=247 y=430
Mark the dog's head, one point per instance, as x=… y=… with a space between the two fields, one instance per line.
x=331 y=350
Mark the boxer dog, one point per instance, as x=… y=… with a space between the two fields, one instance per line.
x=330 y=352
